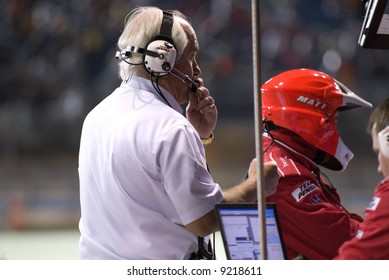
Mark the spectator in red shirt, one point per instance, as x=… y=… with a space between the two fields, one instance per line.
x=300 y=109
x=372 y=239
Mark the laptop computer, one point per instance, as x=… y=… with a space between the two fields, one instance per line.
x=239 y=227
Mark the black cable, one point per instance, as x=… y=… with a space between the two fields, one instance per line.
x=207 y=253
x=214 y=246
x=154 y=81
x=318 y=177
x=123 y=57
x=267 y=128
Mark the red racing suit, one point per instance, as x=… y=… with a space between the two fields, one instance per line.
x=314 y=224
x=372 y=240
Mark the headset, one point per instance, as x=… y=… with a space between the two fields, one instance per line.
x=165 y=53
x=383 y=139
x=160 y=54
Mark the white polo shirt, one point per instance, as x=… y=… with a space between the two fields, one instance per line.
x=143 y=176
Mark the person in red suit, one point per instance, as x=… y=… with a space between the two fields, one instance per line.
x=300 y=109
x=372 y=239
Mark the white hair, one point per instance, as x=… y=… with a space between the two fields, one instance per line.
x=141 y=26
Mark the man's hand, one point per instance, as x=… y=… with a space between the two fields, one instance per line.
x=270 y=173
x=271 y=177
x=201 y=111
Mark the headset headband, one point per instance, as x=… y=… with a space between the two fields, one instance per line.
x=165 y=32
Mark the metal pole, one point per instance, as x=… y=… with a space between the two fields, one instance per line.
x=258 y=125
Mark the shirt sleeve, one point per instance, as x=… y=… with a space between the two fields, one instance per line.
x=372 y=240
x=186 y=179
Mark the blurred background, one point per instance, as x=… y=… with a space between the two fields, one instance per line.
x=57 y=63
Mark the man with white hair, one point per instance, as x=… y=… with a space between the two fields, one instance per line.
x=145 y=189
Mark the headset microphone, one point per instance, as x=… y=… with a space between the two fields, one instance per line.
x=185 y=78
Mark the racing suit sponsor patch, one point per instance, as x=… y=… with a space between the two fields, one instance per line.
x=373 y=203
x=303 y=190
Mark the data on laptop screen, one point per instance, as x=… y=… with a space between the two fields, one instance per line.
x=239 y=226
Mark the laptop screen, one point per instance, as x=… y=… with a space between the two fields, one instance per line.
x=239 y=227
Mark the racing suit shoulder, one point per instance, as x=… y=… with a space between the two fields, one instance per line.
x=372 y=240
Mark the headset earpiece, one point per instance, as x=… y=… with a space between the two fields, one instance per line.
x=162 y=44
x=383 y=139
x=162 y=64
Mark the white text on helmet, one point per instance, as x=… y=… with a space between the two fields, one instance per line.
x=312 y=102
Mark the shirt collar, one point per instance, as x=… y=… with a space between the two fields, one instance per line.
x=145 y=84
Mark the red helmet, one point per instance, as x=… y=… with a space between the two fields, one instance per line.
x=305 y=101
